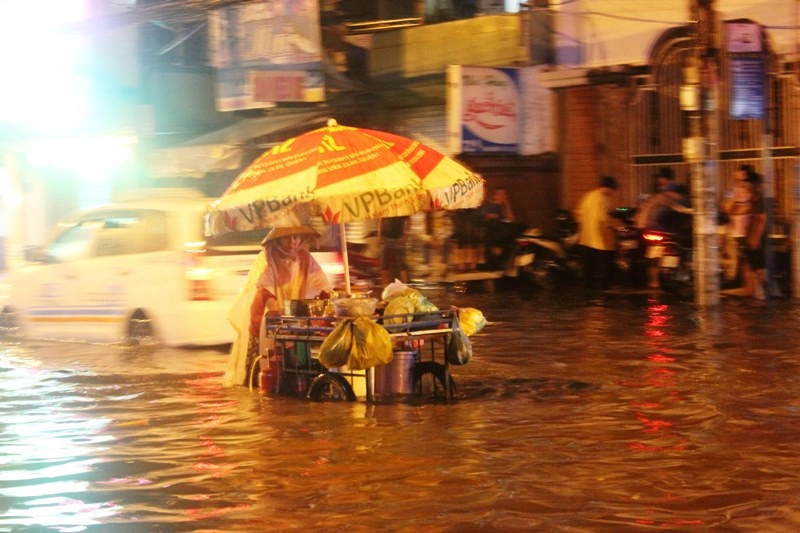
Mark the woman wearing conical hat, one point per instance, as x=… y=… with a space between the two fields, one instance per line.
x=285 y=270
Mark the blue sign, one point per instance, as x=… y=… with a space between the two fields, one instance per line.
x=747 y=88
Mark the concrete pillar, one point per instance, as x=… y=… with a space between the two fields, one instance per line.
x=702 y=149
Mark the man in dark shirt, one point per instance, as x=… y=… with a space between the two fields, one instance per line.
x=663 y=211
x=498 y=218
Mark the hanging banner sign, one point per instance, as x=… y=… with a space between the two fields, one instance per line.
x=748 y=72
x=265 y=53
x=747 y=88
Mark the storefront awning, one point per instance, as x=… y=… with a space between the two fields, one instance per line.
x=224 y=149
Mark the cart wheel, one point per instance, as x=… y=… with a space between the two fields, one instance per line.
x=429 y=380
x=331 y=387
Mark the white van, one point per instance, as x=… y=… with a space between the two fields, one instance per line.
x=137 y=271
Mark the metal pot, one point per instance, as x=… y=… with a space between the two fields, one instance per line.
x=395 y=379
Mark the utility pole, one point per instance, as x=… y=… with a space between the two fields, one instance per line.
x=699 y=100
x=794 y=226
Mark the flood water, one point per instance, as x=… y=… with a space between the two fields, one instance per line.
x=619 y=413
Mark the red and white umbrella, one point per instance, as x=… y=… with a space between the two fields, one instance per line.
x=343 y=174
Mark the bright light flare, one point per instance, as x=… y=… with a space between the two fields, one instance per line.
x=45 y=82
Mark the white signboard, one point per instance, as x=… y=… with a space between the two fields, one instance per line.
x=538 y=123
x=743 y=37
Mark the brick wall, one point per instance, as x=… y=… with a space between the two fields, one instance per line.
x=579 y=161
x=532 y=182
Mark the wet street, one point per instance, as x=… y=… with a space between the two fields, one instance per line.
x=620 y=412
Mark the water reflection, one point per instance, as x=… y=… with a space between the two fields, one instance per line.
x=46 y=450
x=615 y=414
x=661 y=379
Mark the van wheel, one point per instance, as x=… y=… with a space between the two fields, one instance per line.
x=140 y=330
x=9 y=325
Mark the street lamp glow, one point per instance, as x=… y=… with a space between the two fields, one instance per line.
x=45 y=81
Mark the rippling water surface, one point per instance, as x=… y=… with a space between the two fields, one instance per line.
x=625 y=412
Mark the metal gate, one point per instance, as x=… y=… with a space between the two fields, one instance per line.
x=657 y=125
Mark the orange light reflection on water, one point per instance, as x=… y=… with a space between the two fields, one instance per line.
x=657 y=389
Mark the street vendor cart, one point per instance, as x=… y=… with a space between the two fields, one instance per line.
x=341 y=174
x=418 y=370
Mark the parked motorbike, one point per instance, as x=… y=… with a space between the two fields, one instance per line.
x=628 y=258
x=673 y=253
x=547 y=259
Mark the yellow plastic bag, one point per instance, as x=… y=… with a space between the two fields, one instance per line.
x=337 y=347
x=410 y=302
x=471 y=320
x=358 y=343
x=372 y=346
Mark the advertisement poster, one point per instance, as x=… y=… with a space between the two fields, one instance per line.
x=265 y=53
x=499 y=110
x=490 y=110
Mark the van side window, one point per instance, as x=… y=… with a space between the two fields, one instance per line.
x=117 y=236
x=153 y=231
x=132 y=232
x=73 y=243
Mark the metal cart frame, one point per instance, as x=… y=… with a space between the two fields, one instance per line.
x=295 y=370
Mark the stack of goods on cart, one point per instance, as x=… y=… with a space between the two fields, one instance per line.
x=359 y=342
x=402 y=303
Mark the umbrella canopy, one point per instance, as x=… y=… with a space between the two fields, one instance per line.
x=343 y=174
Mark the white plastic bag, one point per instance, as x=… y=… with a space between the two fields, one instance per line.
x=394 y=289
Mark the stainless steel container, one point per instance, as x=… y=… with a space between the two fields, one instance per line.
x=395 y=380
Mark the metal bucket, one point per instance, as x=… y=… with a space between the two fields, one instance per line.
x=395 y=380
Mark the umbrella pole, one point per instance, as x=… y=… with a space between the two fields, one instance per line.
x=345 y=260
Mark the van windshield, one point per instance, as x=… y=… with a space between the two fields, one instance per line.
x=236 y=238
x=109 y=233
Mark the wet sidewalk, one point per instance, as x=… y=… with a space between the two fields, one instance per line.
x=479 y=281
